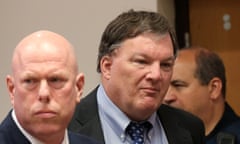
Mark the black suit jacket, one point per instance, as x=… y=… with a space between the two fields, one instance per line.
x=180 y=127
x=10 y=134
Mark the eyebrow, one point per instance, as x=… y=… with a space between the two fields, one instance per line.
x=178 y=81
x=33 y=74
x=28 y=74
x=146 y=56
x=169 y=58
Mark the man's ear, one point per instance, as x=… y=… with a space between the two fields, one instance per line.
x=11 y=88
x=106 y=63
x=80 y=81
x=215 y=87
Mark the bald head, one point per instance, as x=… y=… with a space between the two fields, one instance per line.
x=45 y=86
x=43 y=46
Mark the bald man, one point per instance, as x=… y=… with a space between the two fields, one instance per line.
x=198 y=85
x=44 y=88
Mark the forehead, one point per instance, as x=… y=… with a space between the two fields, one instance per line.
x=156 y=45
x=42 y=65
x=41 y=54
x=184 y=66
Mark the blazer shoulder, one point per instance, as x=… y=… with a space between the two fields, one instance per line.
x=10 y=133
x=171 y=117
x=75 y=138
x=181 y=115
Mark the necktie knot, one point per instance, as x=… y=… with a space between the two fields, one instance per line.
x=136 y=131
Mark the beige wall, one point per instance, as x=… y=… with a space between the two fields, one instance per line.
x=82 y=22
x=167 y=8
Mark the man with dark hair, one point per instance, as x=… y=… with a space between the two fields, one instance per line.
x=198 y=86
x=135 y=60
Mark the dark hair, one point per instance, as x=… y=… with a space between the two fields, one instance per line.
x=132 y=24
x=210 y=65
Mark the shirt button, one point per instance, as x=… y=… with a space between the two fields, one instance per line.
x=122 y=136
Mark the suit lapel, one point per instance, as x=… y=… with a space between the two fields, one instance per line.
x=173 y=128
x=87 y=118
x=86 y=121
x=12 y=132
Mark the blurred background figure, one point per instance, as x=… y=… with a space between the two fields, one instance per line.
x=198 y=86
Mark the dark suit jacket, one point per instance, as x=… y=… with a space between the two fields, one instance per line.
x=180 y=127
x=10 y=134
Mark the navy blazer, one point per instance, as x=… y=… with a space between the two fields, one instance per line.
x=10 y=134
x=180 y=127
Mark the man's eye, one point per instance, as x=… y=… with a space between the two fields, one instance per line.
x=167 y=66
x=141 y=61
x=56 y=82
x=178 y=85
x=30 y=83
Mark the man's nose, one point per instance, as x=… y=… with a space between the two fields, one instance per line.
x=154 y=72
x=43 y=92
x=169 y=97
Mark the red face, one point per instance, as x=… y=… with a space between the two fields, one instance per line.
x=44 y=89
x=138 y=74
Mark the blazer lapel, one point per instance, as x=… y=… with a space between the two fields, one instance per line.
x=12 y=132
x=86 y=119
x=175 y=132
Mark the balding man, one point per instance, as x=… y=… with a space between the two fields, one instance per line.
x=44 y=88
x=198 y=85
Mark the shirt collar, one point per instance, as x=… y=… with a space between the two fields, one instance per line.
x=113 y=115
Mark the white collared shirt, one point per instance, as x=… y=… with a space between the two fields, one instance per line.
x=32 y=139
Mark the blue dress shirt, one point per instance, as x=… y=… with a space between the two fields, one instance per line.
x=114 y=123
